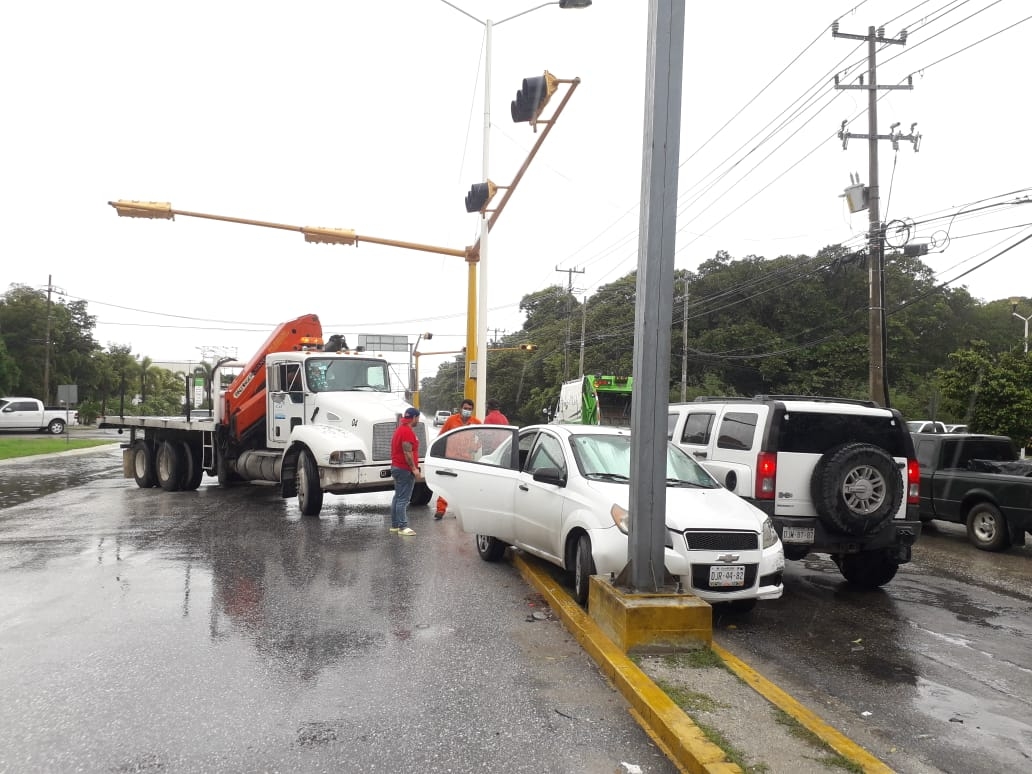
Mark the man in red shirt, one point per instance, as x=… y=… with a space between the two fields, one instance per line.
x=404 y=470
x=494 y=414
x=464 y=417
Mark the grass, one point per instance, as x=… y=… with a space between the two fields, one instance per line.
x=831 y=758
x=13 y=448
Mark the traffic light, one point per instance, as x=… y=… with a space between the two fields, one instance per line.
x=528 y=347
x=532 y=98
x=479 y=196
x=135 y=209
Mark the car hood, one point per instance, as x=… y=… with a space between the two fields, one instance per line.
x=689 y=508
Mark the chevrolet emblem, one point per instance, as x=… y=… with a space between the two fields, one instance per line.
x=728 y=558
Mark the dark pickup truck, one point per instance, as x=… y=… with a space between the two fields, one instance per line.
x=976 y=480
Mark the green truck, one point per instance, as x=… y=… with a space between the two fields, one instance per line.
x=595 y=399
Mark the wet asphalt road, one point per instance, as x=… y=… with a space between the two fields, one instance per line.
x=931 y=673
x=219 y=630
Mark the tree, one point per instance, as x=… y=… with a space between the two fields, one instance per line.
x=992 y=390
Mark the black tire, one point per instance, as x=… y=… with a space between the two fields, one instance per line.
x=583 y=569
x=421 y=494
x=867 y=569
x=225 y=476
x=490 y=549
x=309 y=493
x=856 y=488
x=56 y=426
x=987 y=528
x=169 y=465
x=142 y=455
x=192 y=470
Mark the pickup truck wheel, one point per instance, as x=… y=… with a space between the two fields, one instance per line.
x=168 y=466
x=309 y=495
x=583 y=569
x=421 y=494
x=987 y=528
x=143 y=464
x=490 y=549
x=867 y=569
x=192 y=470
x=856 y=488
x=56 y=426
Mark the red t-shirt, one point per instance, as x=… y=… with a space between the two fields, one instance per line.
x=495 y=417
x=404 y=434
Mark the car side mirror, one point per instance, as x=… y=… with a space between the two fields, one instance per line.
x=550 y=476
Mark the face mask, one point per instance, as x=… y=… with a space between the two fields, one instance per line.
x=466 y=413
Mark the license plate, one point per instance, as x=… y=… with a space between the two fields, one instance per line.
x=797 y=535
x=727 y=575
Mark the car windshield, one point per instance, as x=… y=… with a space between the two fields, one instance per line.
x=608 y=458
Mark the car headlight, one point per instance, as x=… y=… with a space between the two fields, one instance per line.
x=621 y=517
x=770 y=535
x=346 y=457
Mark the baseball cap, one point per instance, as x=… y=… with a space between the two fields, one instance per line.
x=411 y=412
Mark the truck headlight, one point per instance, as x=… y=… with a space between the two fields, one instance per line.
x=770 y=535
x=346 y=457
x=621 y=517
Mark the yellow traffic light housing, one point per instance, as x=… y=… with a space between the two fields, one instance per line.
x=329 y=236
x=528 y=347
x=532 y=98
x=479 y=196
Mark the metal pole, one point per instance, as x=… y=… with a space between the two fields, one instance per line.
x=481 y=354
x=876 y=257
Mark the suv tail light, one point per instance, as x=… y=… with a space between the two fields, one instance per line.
x=913 y=482
x=766 y=473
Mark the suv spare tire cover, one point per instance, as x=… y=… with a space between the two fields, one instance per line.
x=856 y=488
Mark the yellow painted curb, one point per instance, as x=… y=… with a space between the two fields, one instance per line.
x=663 y=720
x=835 y=739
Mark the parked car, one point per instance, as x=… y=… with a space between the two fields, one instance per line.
x=978 y=481
x=561 y=492
x=836 y=476
x=441 y=417
x=956 y=428
x=926 y=426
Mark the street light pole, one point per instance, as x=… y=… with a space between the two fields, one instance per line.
x=1024 y=320
x=480 y=396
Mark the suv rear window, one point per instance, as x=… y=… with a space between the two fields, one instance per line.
x=737 y=429
x=817 y=433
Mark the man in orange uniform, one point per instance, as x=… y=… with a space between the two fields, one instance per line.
x=463 y=417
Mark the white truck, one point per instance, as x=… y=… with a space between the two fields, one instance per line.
x=31 y=414
x=311 y=417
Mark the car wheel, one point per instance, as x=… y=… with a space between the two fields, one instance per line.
x=490 y=549
x=309 y=495
x=168 y=466
x=192 y=470
x=143 y=464
x=421 y=494
x=856 y=488
x=56 y=426
x=987 y=528
x=583 y=569
x=867 y=569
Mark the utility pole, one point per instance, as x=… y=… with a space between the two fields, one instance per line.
x=876 y=235
x=46 y=342
x=569 y=296
x=684 y=341
x=583 y=326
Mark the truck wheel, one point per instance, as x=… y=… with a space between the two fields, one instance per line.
x=143 y=464
x=225 y=476
x=168 y=466
x=192 y=470
x=421 y=494
x=867 y=569
x=56 y=426
x=987 y=528
x=309 y=495
x=856 y=488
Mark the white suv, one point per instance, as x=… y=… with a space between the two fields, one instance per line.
x=835 y=476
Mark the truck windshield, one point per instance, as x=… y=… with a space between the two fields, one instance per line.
x=346 y=375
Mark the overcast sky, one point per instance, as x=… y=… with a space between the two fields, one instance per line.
x=368 y=115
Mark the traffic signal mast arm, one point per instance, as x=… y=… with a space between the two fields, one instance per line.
x=497 y=211
x=317 y=234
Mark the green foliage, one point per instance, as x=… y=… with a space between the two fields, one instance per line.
x=992 y=390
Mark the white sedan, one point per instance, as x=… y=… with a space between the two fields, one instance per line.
x=561 y=492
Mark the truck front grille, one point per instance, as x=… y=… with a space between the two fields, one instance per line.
x=382 y=434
